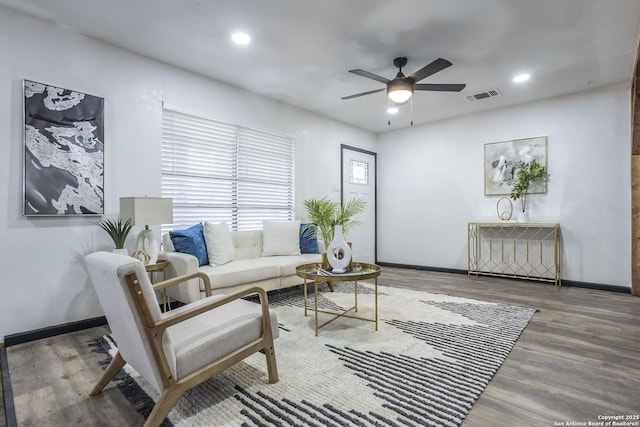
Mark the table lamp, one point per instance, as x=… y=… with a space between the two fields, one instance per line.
x=147 y=211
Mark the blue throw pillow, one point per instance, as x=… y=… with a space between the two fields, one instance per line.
x=191 y=241
x=308 y=239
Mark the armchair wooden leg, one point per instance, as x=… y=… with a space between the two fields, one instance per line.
x=114 y=367
x=272 y=367
x=166 y=401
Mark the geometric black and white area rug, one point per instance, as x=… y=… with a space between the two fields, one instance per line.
x=427 y=364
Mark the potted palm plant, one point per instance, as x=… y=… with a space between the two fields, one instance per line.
x=117 y=230
x=527 y=174
x=326 y=214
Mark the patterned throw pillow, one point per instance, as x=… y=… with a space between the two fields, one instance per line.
x=308 y=239
x=191 y=241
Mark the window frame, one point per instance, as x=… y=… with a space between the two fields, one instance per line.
x=217 y=171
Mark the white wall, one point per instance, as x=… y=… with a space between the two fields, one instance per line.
x=41 y=259
x=431 y=183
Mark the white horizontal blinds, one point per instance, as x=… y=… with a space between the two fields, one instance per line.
x=198 y=168
x=220 y=172
x=265 y=178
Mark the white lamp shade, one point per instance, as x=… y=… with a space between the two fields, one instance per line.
x=147 y=210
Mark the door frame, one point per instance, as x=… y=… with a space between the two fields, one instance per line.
x=635 y=178
x=343 y=148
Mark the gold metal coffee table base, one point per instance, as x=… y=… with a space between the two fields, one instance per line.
x=361 y=271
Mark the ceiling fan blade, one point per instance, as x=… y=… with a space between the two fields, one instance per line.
x=440 y=87
x=369 y=75
x=363 y=93
x=437 y=65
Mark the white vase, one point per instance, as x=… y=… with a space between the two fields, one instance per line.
x=148 y=244
x=523 y=216
x=338 y=252
x=122 y=251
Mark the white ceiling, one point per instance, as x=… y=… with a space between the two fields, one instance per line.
x=301 y=50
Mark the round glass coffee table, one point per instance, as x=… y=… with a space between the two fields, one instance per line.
x=360 y=271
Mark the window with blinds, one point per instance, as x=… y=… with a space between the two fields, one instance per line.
x=216 y=172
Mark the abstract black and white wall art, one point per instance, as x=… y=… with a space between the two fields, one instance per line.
x=63 y=151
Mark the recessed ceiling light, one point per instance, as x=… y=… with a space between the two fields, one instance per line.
x=392 y=110
x=521 y=78
x=240 y=38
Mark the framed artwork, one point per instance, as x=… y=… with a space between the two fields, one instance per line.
x=503 y=159
x=63 y=151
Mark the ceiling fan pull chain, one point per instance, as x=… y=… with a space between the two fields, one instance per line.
x=411 y=114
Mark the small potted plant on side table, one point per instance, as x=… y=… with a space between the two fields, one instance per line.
x=117 y=230
x=528 y=173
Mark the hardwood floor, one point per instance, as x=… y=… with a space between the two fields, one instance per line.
x=55 y=389
x=579 y=358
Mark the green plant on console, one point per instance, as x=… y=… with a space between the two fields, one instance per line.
x=326 y=214
x=528 y=173
x=116 y=229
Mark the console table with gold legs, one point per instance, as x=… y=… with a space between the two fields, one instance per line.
x=361 y=271
x=516 y=250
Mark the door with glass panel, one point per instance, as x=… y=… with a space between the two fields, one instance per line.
x=359 y=180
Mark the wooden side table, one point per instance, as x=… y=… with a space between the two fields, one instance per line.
x=159 y=267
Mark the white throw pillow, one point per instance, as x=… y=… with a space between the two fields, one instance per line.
x=220 y=248
x=280 y=238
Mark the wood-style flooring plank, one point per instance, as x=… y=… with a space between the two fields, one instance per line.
x=55 y=392
x=578 y=358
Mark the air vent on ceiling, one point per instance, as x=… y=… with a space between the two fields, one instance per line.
x=483 y=95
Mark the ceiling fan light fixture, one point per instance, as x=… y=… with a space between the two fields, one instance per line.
x=400 y=96
x=400 y=90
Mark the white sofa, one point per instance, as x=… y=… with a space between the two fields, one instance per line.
x=250 y=266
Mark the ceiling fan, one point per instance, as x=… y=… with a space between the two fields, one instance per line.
x=400 y=89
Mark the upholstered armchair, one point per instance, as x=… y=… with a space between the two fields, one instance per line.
x=179 y=349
